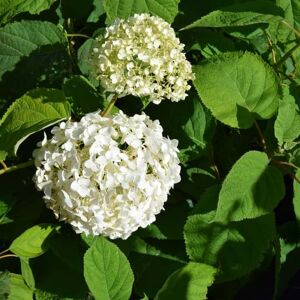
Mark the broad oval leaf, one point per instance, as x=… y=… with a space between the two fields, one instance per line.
x=238 y=88
x=107 y=271
x=190 y=282
x=166 y=9
x=19 y=39
x=33 y=112
x=235 y=248
x=11 y=8
x=32 y=242
x=250 y=190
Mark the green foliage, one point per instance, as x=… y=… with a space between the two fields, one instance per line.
x=244 y=82
x=296 y=198
x=10 y=8
x=166 y=9
x=287 y=124
x=189 y=282
x=33 y=112
x=235 y=248
x=19 y=39
x=107 y=271
x=241 y=14
x=32 y=242
x=230 y=227
x=260 y=189
x=18 y=288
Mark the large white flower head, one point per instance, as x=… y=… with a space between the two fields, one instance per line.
x=107 y=176
x=142 y=56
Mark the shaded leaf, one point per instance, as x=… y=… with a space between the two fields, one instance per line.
x=235 y=248
x=11 y=8
x=32 y=242
x=250 y=190
x=190 y=282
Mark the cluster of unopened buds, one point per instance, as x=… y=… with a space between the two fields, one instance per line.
x=110 y=175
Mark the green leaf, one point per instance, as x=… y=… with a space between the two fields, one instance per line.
x=241 y=14
x=287 y=124
x=190 y=282
x=4 y=284
x=18 y=289
x=291 y=10
x=138 y=245
x=20 y=39
x=235 y=248
x=82 y=95
x=107 y=271
x=192 y=125
x=166 y=9
x=208 y=200
x=97 y=12
x=11 y=8
x=251 y=189
x=296 y=198
x=151 y=272
x=33 y=112
x=238 y=88
x=32 y=242
x=27 y=273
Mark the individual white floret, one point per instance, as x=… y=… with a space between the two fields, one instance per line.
x=107 y=176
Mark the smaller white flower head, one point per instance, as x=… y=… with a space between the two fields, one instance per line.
x=142 y=56
x=107 y=176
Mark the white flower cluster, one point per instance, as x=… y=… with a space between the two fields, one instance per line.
x=105 y=175
x=142 y=56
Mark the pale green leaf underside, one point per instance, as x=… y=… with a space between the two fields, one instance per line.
x=287 y=124
x=250 y=190
x=166 y=9
x=238 y=88
x=33 y=112
x=235 y=248
x=107 y=271
x=10 y=8
x=19 y=39
x=31 y=243
x=241 y=14
x=190 y=282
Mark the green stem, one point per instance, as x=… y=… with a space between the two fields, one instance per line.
x=3 y=164
x=291 y=27
x=262 y=138
x=77 y=35
x=276 y=244
x=287 y=55
x=17 y=167
x=8 y=255
x=4 y=251
x=111 y=104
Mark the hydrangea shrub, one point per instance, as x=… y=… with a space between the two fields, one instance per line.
x=149 y=149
